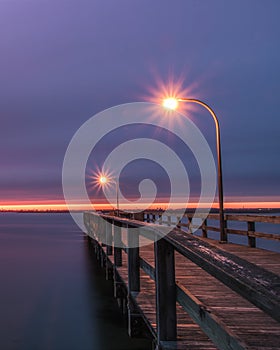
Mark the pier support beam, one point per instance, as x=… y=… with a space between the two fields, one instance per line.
x=133 y=259
x=135 y=320
x=136 y=323
x=109 y=238
x=165 y=291
x=117 y=244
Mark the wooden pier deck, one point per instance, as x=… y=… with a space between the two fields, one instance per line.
x=189 y=292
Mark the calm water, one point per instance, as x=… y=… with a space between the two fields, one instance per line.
x=53 y=296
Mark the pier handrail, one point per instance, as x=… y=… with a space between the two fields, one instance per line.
x=250 y=219
x=237 y=274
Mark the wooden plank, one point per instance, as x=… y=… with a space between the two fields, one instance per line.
x=265 y=235
x=254 y=292
x=149 y=269
x=272 y=219
x=213 y=228
x=216 y=330
x=251 y=233
x=243 y=319
x=181 y=224
x=251 y=293
x=271 y=236
x=234 y=231
x=267 y=259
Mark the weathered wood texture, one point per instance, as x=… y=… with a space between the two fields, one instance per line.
x=224 y=292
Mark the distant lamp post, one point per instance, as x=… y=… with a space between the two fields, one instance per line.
x=104 y=180
x=172 y=103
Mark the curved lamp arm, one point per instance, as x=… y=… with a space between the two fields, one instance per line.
x=223 y=235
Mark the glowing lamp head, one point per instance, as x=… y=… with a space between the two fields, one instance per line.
x=170 y=103
x=103 y=180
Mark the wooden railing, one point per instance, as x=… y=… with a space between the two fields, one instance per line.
x=108 y=229
x=204 y=227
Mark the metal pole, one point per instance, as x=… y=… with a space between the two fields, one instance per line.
x=223 y=235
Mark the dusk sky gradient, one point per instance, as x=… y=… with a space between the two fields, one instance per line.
x=63 y=61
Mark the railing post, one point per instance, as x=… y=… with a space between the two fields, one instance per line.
x=178 y=225
x=251 y=240
x=189 y=223
x=109 y=238
x=204 y=229
x=119 y=290
x=224 y=235
x=99 y=229
x=169 y=220
x=134 y=317
x=109 y=249
x=160 y=219
x=117 y=244
x=92 y=226
x=133 y=259
x=102 y=257
x=165 y=291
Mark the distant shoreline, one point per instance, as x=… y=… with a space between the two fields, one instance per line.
x=214 y=210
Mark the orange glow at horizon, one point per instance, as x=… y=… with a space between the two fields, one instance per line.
x=39 y=206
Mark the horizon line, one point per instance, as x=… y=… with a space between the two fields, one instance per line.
x=39 y=206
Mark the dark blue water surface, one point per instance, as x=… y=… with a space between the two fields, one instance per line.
x=53 y=295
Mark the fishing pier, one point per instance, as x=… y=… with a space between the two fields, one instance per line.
x=189 y=291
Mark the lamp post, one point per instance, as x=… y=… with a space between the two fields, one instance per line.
x=103 y=180
x=172 y=103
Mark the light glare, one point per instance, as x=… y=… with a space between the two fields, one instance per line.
x=103 y=180
x=170 y=103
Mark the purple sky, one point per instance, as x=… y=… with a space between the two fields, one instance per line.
x=63 y=61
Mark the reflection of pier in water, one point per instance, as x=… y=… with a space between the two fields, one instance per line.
x=190 y=292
